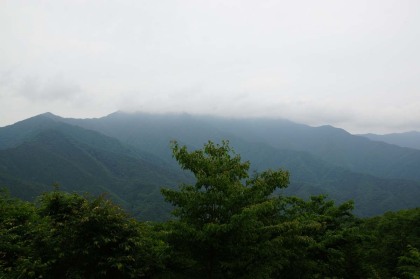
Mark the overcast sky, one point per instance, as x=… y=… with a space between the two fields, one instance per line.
x=351 y=64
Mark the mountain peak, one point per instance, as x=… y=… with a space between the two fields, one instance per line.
x=50 y=115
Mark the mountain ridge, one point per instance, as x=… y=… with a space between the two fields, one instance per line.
x=131 y=154
x=409 y=139
x=83 y=161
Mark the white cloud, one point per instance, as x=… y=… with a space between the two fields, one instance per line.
x=56 y=88
x=350 y=64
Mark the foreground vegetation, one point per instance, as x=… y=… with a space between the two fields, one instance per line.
x=228 y=225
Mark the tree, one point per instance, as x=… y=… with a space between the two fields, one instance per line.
x=335 y=249
x=16 y=220
x=409 y=263
x=390 y=235
x=84 y=237
x=219 y=216
x=74 y=236
x=232 y=225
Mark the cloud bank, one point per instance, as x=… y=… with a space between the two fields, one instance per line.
x=349 y=64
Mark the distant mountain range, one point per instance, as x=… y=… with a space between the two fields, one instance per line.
x=128 y=156
x=407 y=139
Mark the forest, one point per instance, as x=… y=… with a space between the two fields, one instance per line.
x=227 y=224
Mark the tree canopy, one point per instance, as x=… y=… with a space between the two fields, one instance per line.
x=233 y=225
x=73 y=236
x=229 y=223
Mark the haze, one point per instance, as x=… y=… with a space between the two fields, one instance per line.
x=351 y=64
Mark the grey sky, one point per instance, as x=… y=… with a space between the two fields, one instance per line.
x=352 y=64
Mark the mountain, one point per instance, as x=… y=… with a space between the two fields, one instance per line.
x=46 y=150
x=407 y=139
x=128 y=156
x=332 y=145
x=325 y=159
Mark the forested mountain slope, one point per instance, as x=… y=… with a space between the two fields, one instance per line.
x=128 y=156
x=332 y=145
x=84 y=161
x=321 y=160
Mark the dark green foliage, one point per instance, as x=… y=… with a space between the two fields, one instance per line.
x=72 y=236
x=334 y=247
x=17 y=218
x=228 y=224
x=85 y=238
x=392 y=235
x=409 y=263
x=215 y=212
x=231 y=226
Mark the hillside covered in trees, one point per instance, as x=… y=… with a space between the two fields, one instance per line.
x=128 y=157
x=227 y=224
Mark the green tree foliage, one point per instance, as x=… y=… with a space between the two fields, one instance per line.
x=230 y=225
x=219 y=216
x=88 y=237
x=74 y=236
x=334 y=249
x=409 y=263
x=390 y=235
x=16 y=220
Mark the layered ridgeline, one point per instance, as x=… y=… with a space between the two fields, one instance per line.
x=407 y=139
x=128 y=156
